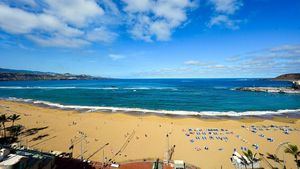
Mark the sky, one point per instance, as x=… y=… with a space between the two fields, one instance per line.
x=152 y=38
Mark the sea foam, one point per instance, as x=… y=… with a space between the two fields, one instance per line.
x=166 y=112
x=91 y=88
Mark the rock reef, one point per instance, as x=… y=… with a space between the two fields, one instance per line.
x=270 y=89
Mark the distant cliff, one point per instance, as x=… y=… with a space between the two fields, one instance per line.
x=294 y=78
x=288 y=77
x=22 y=75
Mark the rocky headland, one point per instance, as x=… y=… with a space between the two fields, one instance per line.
x=23 y=75
x=294 y=78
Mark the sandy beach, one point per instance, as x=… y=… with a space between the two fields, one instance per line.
x=138 y=137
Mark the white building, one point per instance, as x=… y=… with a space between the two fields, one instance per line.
x=11 y=161
x=179 y=164
x=241 y=161
x=296 y=84
x=24 y=159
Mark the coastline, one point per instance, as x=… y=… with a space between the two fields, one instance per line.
x=115 y=128
x=267 y=114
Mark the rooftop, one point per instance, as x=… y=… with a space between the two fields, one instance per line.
x=11 y=159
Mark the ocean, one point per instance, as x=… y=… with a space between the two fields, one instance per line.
x=211 y=97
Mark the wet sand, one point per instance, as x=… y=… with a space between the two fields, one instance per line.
x=144 y=136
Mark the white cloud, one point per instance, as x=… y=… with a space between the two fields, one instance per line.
x=116 y=56
x=265 y=62
x=226 y=6
x=51 y=28
x=150 y=19
x=18 y=21
x=269 y=62
x=194 y=63
x=10 y=16
x=291 y=48
x=75 y=12
x=138 y=6
x=224 y=9
x=218 y=66
x=280 y=59
x=58 y=41
x=223 y=20
x=161 y=29
x=101 y=35
x=23 y=3
x=82 y=22
x=207 y=65
x=140 y=27
x=111 y=7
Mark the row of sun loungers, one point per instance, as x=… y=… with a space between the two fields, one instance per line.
x=197 y=148
x=284 y=129
x=206 y=134
x=256 y=129
x=203 y=134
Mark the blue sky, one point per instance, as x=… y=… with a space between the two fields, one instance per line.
x=152 y=38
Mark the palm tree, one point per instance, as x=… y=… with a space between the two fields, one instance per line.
x=276 y=159
x=244 y=161
x=16 y=130
x=293 y=150
x=251 y=157
x=3 y=120
x=14 y=118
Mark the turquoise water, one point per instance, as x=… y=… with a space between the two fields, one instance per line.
x=175 y=96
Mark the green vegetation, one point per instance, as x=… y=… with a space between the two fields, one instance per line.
x=293 y=150
x=251 y=157
x=14 y=130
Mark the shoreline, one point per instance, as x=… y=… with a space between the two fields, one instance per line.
x=150 y=130
x=266 y=114
x=286 y=118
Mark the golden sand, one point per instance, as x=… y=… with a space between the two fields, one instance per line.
x=148 y=135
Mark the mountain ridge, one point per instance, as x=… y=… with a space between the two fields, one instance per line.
x=288 y=77
x=23 y=75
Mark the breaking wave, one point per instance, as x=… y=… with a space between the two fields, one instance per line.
x=166 y=112
x=87 y=88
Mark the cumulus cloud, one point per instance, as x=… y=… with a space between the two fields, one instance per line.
x=23 y=3
x=223 y=11
x=150 y=19
x=226 y=6
x=110 y=7
x=58 y=25
x=223 y=20
x=101 y=34
x=75 y=12
x=18 y=21
x=138 y=6
x=83 y=22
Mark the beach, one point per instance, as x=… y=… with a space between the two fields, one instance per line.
x=142 y=136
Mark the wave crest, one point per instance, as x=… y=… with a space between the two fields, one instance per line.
x=166 y=112
x=88 y=88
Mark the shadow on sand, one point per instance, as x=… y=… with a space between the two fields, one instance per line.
x=33 y=131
